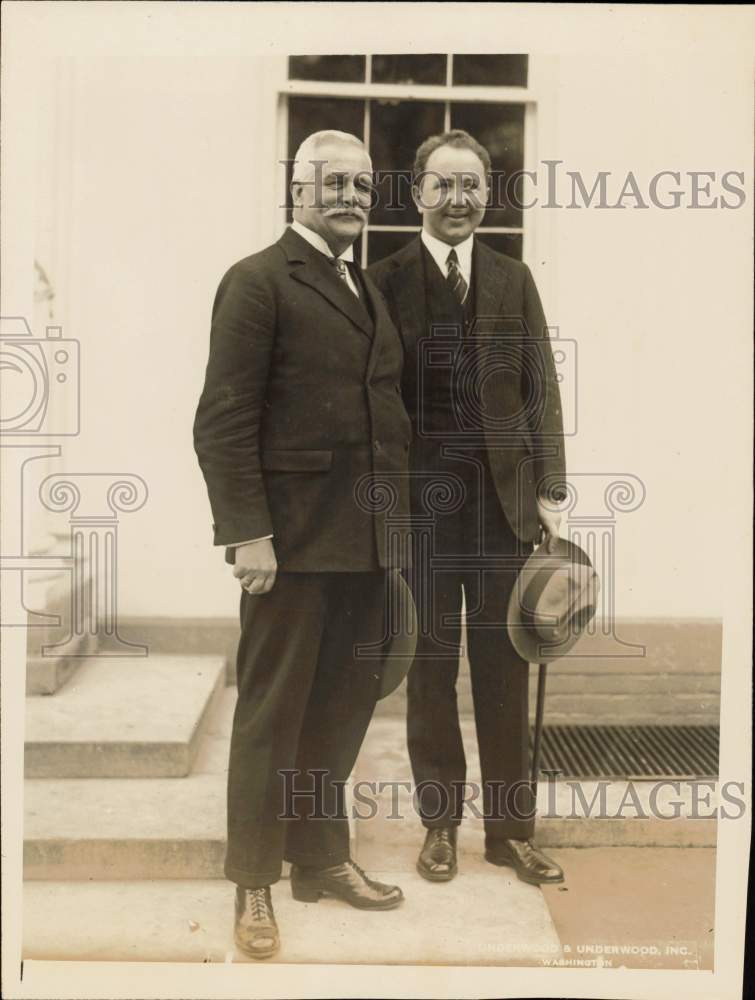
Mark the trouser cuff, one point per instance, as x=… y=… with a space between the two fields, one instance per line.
x=251 y=880
x=511 y=831
x=321 y=860
x=440 y=824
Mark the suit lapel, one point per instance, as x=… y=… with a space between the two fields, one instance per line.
x=312 y=268
x=491 y=284
x=496 y=324
x=382 y=320
x=408 y=290
x=490 y=281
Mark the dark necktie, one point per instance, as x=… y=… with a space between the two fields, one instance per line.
x=455 y=278
x=342 y=272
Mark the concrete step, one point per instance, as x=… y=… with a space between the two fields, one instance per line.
x=621 y=816
x=631 y=683
x=192 y=921
x=623 y=716
x=175 y=828
x=46 y=674
x=132 y=828
x=578 y=700
x=49 y=596
x=664 y=670
x=648 y=647
x=123 y=718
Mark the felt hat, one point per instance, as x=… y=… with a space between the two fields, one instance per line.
x=553 y=599
x=401 y=624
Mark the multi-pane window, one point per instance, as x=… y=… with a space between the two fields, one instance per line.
x=393 y=103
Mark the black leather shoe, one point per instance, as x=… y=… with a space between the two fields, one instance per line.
x=348 y=882
x=255 y=930
x=437 y=859
x=528 y=861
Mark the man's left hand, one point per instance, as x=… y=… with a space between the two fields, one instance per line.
x=550 y=521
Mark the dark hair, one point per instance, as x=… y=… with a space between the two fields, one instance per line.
x=456 y=137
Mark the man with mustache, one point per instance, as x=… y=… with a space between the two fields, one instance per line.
x=301 y=406
x=480 y=387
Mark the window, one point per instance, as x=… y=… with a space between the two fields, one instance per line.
x=334 y=68
x=393 y=103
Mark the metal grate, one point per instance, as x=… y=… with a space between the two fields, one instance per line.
x=631 y=751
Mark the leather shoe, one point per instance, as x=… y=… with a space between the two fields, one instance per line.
x=437 y=859
x=528 y=861
x=346 y=881
x=255 y=930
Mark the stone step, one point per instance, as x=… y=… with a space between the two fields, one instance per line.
x=129 y=828
x=124 y=828
x=50 y=595
x=575 y=677
x=622 y=716
x=647 y=647
x=92 y=829
x=123 y=718
x=391 y=824
x=192 y=921
x=47 y=674
x=175 y=828
x=576 y=704
x=563 y=822
x=630 y=683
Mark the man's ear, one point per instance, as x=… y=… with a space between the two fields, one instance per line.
x=296 y=187
x=416 y=197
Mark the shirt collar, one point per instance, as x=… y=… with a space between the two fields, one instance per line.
x=439 y=251
x=315 y=240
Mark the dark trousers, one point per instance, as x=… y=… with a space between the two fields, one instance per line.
x=305 y=700
x=463 y=560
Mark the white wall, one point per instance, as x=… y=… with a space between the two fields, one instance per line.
x=172 y=181
x=655 y=301
x=171 y=184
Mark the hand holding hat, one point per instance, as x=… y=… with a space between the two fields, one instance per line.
x=554 y=598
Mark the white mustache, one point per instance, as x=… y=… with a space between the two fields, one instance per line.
x=346 y=211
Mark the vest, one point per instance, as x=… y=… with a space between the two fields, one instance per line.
x=440 y=359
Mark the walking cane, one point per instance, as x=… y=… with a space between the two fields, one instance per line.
x=538 y=726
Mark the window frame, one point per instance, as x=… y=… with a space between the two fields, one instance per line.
x=448 y=94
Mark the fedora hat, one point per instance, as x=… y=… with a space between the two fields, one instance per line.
x=395 y=620
x=399 y=648
x=554 y=597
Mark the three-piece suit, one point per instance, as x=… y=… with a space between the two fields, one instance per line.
x=300 y=417
x=481 y=390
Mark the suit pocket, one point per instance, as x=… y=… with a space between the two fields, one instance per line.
x=296 y=461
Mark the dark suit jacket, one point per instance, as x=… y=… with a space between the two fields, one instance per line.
x=522 y=425
x=301 y=406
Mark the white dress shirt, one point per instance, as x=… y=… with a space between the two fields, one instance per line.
x=314 y=239
x=439 y=252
